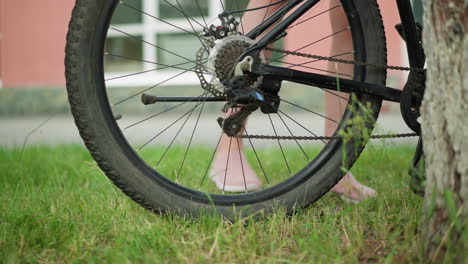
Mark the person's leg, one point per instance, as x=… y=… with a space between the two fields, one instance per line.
x=348 y=187
x=231 y=170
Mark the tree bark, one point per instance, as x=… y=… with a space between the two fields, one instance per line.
x=445 y=130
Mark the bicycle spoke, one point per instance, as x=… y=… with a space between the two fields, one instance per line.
x=227 y=164
x=279 y=143
x=266 y=12
x=337 y=95
x=241 y=23
x=150 y=88
x=222 y=5
x=181 y=10
x=317 y=41
x=143 y=72
x=292 y=119
x=211 y=161
x=162 y=20
x=256 y=8
x=160 y=113
x=256 y=155
x=154 y=45
x=176 y=135
x=313 y=61
x=310 y=111
x=315 y=16
x=130 y=75
x=165 y=129
x=152 y=62
x=242 y=164
x=298 y=106
x=311 y=68
x=201 y=13
x=194 y=30
x=191 y=139
x=291 y=133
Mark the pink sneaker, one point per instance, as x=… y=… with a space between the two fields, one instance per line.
x=239 y=176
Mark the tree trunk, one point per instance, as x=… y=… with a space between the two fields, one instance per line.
x=445 y=130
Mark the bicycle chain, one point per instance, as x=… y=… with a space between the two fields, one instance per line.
x=358 y=63
x=317 y=57
x=403 y=135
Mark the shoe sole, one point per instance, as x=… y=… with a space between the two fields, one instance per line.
x=235 y=188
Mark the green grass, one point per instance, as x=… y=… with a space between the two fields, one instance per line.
x=194 y=172
x=57 y=207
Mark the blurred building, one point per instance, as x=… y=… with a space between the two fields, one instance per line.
x=32 y=40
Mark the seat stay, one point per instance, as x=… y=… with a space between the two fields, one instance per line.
x=277 y=31
x=274 y=18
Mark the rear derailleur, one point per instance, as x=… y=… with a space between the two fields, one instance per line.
x=245 y=95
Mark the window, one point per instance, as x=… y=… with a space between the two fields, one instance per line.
x=236 y=4
x=127 y=53
x=168 y=8
x=124 y=54
x=125 y=15
x=185 y=46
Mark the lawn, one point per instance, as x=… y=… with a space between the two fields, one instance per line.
x=57 y=207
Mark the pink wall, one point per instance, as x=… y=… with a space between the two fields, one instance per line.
x=33 y=42
x=1 y=15
x=302 y=35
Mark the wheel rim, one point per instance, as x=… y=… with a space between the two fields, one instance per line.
x=173 y=160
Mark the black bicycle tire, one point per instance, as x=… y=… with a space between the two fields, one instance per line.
x=136 y=180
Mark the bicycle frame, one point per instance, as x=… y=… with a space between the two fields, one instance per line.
x=414 y=49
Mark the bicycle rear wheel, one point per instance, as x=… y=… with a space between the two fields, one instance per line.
x=161 y=155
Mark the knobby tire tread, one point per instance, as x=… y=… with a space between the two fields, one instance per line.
x=79 y=111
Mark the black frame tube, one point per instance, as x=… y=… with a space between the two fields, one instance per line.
x=414 y=47
x=328 y=82
x=258 y=30
x=282 y=26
